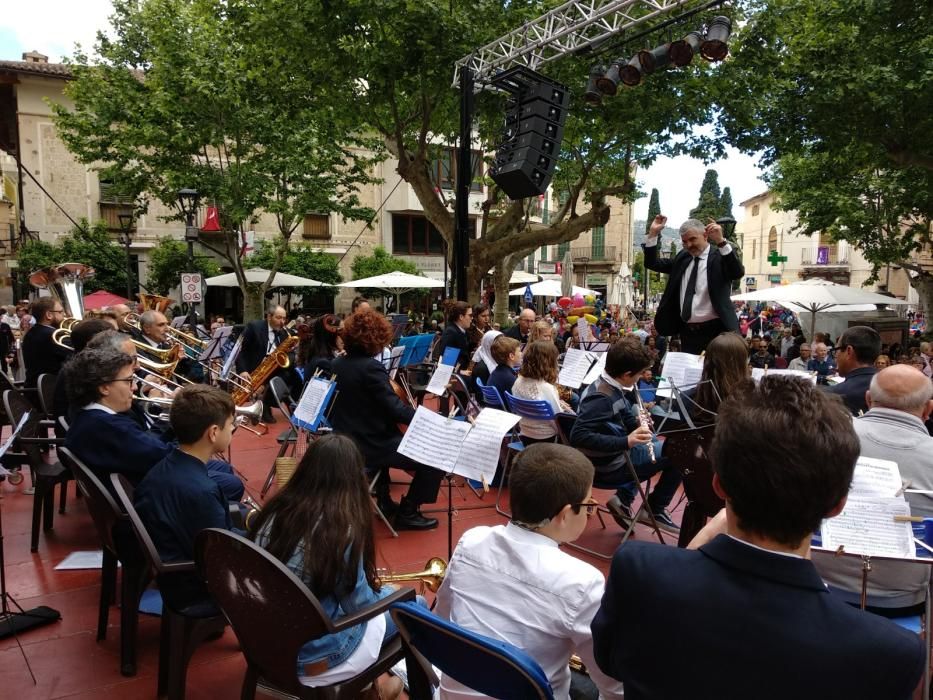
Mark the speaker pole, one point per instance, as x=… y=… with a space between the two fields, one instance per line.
x=464 y=181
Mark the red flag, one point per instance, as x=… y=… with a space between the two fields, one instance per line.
x=212 y=220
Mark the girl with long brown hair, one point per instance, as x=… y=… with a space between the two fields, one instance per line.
x=725 y=367
x=537 y=379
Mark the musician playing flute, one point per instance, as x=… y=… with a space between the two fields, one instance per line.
x=610 y=422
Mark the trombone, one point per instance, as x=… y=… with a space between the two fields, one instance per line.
x=243 y=414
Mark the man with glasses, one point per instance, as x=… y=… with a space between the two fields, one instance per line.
x=513 y=582
x=40 y=354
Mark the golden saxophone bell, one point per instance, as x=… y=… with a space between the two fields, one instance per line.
x=431 y=577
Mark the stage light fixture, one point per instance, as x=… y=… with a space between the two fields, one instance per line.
x=657 y=58
x=714 y=47
x=631 y=72
x=608 y=82
x=593 y=96
x=683 y=50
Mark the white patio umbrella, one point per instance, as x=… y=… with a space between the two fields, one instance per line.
x=258 y=275
x=395 y=283
x=519 y=277
x=620 y=293
x=551 y=288
x=815 y=295
x=566 y=275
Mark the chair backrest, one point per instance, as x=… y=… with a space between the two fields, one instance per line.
x=491 y=395
x=493 y=668
x=281 y=395
x=46 y=385
x=124 y=490
x=104 y=510
x=780 y=363
x=63 y=423
x=271 y=611
x=15 y=406
x=535 y=409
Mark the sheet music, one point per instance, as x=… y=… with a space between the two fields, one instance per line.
x=9 y=440
x=875 y=478
x=595 y=370
x=576 y=365
x=440 y=379
x=585 y=333
x=681 y=369
x=595 y=346
x=313 y=399
x=758 y=373
x=479 y=453
x=395 y=359
x=231 y=358
x=868 y=527
x=433 y=439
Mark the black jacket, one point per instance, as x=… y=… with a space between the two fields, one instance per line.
x=720 y=271
x=454 y=337
x=367 y=409
x=41 y=355
x=516 y=332
x=256 y=344
x=853 y=389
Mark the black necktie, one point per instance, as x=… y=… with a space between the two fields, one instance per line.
x=686 y=311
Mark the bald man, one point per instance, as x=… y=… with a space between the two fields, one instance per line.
x=520 y=330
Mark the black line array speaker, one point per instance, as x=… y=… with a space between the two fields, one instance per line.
x=534 y=127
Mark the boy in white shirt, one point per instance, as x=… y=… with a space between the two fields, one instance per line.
x=513 y=583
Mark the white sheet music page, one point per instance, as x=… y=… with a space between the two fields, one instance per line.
x=433 y=439
x=585 y=333
x=312 y=399
x=576 y=365
x=440 y=379
x=479 y=454
x=595 y=370
x=395 y=357
x=681 y=369
x=866 y=526
x=875 y=478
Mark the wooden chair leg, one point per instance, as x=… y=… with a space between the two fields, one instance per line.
x=37 y=503
x=63 y=497
x=48 y=505
x=165 y=645
x=133 y=582
x=108 y=576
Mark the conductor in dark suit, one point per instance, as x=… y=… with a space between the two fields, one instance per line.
x=260 y=338
x=695 y=303
x=748 y=605
x=856 y=353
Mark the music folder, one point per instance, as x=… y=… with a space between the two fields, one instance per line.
x=468 y=449
x=309 y=413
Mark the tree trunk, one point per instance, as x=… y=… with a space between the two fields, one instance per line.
x=501 y=275
x=252 y=302
x=923 y=283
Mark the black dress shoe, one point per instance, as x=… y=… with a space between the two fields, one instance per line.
x=409 y=517
x=388 y=507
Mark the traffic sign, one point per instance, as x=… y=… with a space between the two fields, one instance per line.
x=191 y=287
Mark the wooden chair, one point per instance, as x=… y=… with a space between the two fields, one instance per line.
x=275 y=615
x=182 y=630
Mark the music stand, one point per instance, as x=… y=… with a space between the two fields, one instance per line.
x=214 y=349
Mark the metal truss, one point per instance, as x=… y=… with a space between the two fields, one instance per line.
x=573 y=26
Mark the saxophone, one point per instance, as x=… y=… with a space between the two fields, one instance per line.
x=276 y=359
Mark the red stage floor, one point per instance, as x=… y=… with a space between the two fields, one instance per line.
x=69 y=663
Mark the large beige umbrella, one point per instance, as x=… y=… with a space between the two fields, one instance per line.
x=258 y=275
x=395 y=283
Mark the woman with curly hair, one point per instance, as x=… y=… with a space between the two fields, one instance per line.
x=537 y=380
x=369 y=411
x=320 y=525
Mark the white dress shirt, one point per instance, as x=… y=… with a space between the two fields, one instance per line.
x=702 y=308
x=517 y=586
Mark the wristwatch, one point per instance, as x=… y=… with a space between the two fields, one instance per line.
x=723 y=243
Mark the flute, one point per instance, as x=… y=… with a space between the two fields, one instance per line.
x=645 y=420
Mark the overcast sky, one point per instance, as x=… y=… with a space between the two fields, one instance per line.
x=53 y=27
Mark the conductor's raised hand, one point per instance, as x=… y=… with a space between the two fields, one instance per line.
x=657 y=225
x=713 y=232
x=639 y=436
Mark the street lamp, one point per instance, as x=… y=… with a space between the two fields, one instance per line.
x=188 y=203
x=126 y=239
x=728 y=226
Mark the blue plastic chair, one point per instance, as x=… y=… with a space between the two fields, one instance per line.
x=495 y=669
x=491 y=395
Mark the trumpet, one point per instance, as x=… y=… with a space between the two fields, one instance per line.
x=430 y=578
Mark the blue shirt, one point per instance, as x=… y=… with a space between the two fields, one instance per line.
x=502 y=377
x=823 y=369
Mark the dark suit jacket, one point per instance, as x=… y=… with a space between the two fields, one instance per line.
x=454 y=337
x=748 y=624
x=367 y=409
x=41 y=355
x=516 y=332
x=720 y=271
x=256 y=344
x=853 y=389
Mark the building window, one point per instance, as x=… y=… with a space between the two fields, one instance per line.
x=113 y=204
x=772 y=239
x=413 y=234
x=444 y=169
x=598 y=246
x=562 y=249
x=530 y=262
x=754 y=249
x=754 y=210
x=316 y=227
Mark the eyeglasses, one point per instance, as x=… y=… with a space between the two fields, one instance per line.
x=122 y=379
x=590 y=506
x=58 y=311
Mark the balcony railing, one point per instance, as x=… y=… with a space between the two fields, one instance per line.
x=593 y=254
x=825 y=255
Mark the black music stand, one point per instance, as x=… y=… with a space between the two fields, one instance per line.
x=214 y=348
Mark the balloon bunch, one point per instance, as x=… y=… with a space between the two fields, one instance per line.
x=568 y=310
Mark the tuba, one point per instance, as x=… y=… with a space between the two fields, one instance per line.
x=65 y=283
x=154 y=302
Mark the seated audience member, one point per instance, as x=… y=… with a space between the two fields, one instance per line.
x=882 y=361
x=541 y=330
x=749 y=598
x=522 y=327
x=507 y=354
x=177 y=498
x=483 y=363
x=858 y=348
x=725 y=368
x=544 y=599
x=762 y=357
x=368 y=410
x=821 y=363
x=537 y=380
x=320 y=525
x=800 y=362
x=608 y=425
x=323 y=346
x=107 y=437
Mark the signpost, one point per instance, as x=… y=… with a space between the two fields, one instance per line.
x=191 y=287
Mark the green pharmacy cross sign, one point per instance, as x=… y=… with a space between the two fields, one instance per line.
x=775 y=259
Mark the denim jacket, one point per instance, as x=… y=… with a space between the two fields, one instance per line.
x=332 y=648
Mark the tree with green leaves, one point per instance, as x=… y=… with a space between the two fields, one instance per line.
x=209 y=95
x=302 y=261
x=725 y=202
x=169 y=259
x=836 y=94
x=402 y=87
x=654 y=208
x=709 y=205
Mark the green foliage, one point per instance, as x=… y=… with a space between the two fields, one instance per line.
x=836 y=94
x=658 y=282
x=380 y=263
x=90 y=245
x=654 y=208
x=169 y=259
x=299 y=260
x=725 y=202
x=709 y=205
